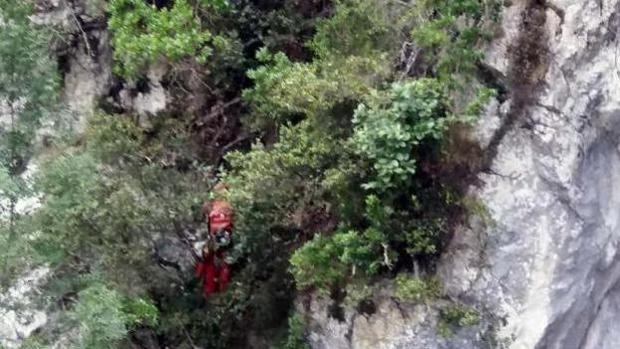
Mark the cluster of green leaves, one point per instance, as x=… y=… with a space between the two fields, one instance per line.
x=425 y=237
x=107 y=196
x=329 y=260
x=455 y=316
x=273 y=187
x=143 y=34
x=323 y=254
x=351 y=49
x=416 y=289
x=451 y=31
x=336 y=256
x=358 y=292
x=296 y=330
x=387 y=133
x=104 y=317
x=104 y=203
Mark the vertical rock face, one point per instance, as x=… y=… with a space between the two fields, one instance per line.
x=545 y=268
x=548 y=265
x=390 y=324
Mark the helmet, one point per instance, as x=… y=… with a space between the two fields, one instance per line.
x=221 y=187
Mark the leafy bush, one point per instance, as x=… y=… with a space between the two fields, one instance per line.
x=452 y=32
x=100 y=318
x=416 y=289
x=352 y=58
x=104 y=317
x=139 y=311
x=387 y=134
x=457 y=315
x=345 y=192
x=143 y=34
x=284 y=88
x=295 y=338
x=272 y=188
x=357 y=28
x=327 y=261
x=316 y=263
x=113 y=138
x=358 y=292
x=28 y=96
x=425 y=237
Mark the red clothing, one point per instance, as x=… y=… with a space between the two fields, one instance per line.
x=213 y=270
x=214 y=277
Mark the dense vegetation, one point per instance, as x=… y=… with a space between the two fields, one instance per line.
x=333 y=122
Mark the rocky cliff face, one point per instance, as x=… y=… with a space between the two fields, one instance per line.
x=545 y=271
x=85 y=60
x=543 y=268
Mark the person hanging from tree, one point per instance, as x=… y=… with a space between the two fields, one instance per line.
x=213 y=268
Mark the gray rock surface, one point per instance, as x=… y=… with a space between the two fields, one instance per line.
x=18 y=315
x=548 y=266
x=150 y=102
x=392 y=324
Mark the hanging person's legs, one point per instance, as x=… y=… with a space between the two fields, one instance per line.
x=210 y=275
x=224 y=272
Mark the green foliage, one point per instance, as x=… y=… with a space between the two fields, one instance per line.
x=105 y=202
x=103 y=205
x=111 y=138
x=104 y=316
x=416 y=289
x=100 y=318
x=272 y=187
x=357 y=28
x=343 y=183
x=391 y=130
x=327 y=261
x=28 y=82
x=316 y=263
x=143 y=34
x=275 y=91
x=425 y=237
x=284 y=88
x=388 y=134
x=352 y=58
x=296 y=334
x=75 y=194
x=28 y=77
x=357 y=292
x=140 y=312
x=457 y=315
x=361 y=251
x=452 y=32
